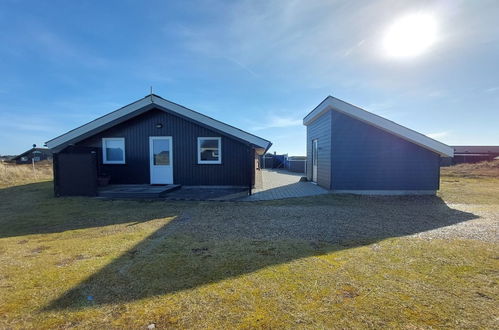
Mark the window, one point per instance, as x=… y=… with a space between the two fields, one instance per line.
x=36 y=159
x=209 y=150
x=161 y=151
x=24 y=159
x=113 y=150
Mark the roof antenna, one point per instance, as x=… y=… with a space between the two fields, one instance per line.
x=151 y=95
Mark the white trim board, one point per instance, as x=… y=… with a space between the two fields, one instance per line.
x=74 y=134
x=332 y=103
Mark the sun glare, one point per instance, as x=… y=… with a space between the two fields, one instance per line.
x=410 y=35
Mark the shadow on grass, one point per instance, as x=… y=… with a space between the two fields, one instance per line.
x=33 y=209
x=208 y=244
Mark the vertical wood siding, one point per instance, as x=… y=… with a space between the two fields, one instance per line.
x=236 y=156
x=320 y=129
x=367 y=158
x=75 y=174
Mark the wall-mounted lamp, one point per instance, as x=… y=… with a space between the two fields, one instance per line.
x=159 y=125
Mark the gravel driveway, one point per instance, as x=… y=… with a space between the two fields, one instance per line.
x=340 y=219
x=484 y=228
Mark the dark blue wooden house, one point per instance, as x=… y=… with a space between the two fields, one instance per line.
x=350 y=150
x=158 y=142
x=33 y=155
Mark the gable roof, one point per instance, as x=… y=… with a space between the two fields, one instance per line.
x=332 y=103
x=147 y=103
x=44 y=150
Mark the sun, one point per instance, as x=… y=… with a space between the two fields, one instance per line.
x=410 y=35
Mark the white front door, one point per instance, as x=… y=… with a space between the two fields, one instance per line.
x=160 y=159
x=314 y=160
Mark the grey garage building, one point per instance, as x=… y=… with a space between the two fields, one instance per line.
x=153 y=141
x=350 y=150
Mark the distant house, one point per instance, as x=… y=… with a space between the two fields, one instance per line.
x=6 y=158
x=33 y=155
x=158 y=142
x=473 y=154
x=350 y=150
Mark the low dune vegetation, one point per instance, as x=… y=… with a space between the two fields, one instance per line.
x=13 y=174
x=476 y=170
x=470 y=183
x=320 y=262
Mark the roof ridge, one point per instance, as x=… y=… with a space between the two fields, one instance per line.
x=157 y=100
x=182 y=106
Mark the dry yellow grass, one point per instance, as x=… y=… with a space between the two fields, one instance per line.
x=13 y=174
x=482 y=169
x=471 y=183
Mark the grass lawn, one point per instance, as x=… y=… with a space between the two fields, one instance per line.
x=326 y=261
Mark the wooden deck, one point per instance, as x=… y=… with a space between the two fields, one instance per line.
x=136 y=191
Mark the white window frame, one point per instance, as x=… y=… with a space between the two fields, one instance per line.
x=104 y=156
x=219 y=161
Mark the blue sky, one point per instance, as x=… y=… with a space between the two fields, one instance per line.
x=258 y=65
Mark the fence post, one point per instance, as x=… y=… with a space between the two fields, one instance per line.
x=4 y=169
x=34 y=171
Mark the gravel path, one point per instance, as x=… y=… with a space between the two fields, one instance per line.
x=340 y=220
x=485 y=228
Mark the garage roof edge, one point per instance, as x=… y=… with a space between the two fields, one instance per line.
x=332 y=103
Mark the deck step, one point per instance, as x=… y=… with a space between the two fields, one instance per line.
x=136 y=191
